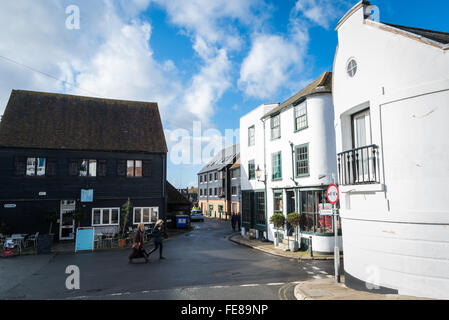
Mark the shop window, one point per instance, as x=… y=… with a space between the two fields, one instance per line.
x=311 y=220
x=105 y=216
x=146 y=215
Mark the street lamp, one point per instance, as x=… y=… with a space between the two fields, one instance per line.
x=258 y=174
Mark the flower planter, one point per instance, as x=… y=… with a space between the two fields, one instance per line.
x=293 y=245
x=122 y=243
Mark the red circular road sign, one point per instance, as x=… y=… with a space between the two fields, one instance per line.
x=333 y=194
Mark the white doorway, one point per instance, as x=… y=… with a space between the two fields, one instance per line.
x=67 y=220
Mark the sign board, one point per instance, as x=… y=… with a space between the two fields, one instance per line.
x=84 y=239
x=333 y=194
x=326 y=212
x=87 y=195
x=42 y=193
x=9 y=205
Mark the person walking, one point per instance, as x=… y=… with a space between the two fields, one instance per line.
x=238 y=220
x=233 y=221
x=138 y=250
x=158 y=234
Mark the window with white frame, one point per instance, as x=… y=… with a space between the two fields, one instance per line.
x=145 y=215
x=105 y=216
x=276 y=127
x=301 y=116
x=35 y=167
x=302 y=161
x=251 y=136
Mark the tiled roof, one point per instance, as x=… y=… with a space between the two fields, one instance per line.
x=58 y=121
x=174 y=196
x=323 y=84
x=225 y=157
x=441 y=37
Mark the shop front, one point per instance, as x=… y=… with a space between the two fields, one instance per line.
x=314 y=227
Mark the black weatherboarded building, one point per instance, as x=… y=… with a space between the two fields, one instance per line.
x=53 y=146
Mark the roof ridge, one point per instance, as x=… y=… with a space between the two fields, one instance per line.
x=416 y=28
x=81 y=97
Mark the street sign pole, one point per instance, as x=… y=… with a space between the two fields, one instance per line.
x=337 y=249
x=333 y=194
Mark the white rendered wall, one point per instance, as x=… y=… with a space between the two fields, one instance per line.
x=320 y=136
x=396 y=234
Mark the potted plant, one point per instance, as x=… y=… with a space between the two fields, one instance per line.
x=78 y=216
x=51 y=217
x=294 y=219
x=126 y=208
x=278 y=220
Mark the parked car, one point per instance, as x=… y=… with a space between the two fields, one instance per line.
x=196 y=215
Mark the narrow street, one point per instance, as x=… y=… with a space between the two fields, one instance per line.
x=202 y=264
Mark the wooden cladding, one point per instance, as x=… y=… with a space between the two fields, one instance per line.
x=20 y=165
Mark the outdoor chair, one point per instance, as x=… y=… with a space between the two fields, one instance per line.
x=33 y=239
x=109 y=238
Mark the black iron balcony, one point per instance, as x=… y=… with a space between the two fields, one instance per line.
x=359 y=166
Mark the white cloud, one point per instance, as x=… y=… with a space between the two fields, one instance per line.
x=270 y=64
x=322 y=12
x=276 y=61
x=108 y=56
x=211 y=26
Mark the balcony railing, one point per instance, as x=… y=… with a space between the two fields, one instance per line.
x=359 y=166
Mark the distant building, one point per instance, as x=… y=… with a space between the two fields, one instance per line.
x=391 y=93
x=65 y=154
x=216 y=187
x=190 y=194
x=292 y=147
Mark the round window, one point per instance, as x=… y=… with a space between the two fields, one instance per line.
x=352 y=68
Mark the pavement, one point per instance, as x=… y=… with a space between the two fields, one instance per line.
x=269 y=248
x=329 y=289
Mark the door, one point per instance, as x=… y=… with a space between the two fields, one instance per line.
x=211 y=210
x=220 y=210
x=67 y=221
x=361 y=127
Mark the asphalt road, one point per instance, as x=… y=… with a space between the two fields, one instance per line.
x=201 y=265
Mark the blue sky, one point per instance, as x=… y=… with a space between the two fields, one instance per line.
x=210 y=61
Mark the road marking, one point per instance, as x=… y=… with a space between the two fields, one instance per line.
x=276 y=284
x=310 y=272
x=316 y=268
x=219 y=287
x=249 y=285
x=115 y=294
x=324 y=272
x=317 y=277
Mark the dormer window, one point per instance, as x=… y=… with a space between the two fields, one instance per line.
x=351 y=68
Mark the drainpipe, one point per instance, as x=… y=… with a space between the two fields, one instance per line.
x=265 y=177
x=293 y=164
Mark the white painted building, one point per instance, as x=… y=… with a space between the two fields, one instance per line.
x=391 y=98
x=293 y=146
